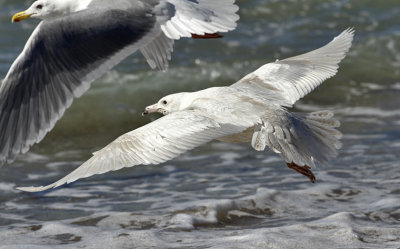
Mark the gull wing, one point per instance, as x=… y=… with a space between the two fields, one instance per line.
x=158 y=52
x=182 y=18
x=60 y=60
x=286 y=81
x=154 y=143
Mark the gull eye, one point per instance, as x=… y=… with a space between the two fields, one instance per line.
x=39 y=7
x=164 y=102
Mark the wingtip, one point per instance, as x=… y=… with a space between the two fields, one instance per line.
x=345 y=39
x=35 y=189
x=7 y=157
x=348 y=32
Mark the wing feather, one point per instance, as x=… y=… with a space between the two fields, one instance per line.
x=158 y=52
x=182 y=18
x=154 y=143
x=286 y=81
x=60 y=60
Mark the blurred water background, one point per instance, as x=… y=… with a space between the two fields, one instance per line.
x=222 y=195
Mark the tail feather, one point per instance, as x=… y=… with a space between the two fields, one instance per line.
x=324 y=125
x=317 y=136
x=304 y=139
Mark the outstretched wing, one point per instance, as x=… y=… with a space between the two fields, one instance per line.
x=59 y=62
x=288 y=80
x=154 y=143
x=182 y=18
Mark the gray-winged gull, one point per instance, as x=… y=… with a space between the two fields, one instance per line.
x=251 y=110
x=78 y=41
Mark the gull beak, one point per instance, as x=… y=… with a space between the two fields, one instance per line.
x=20 y=16
x=150 y=109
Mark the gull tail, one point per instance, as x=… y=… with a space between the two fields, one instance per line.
x=301 y=139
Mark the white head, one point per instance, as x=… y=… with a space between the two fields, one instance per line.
x=45 y=9
x=169 y=104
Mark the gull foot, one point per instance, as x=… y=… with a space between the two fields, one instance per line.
x=207 y=36
x=304 y=170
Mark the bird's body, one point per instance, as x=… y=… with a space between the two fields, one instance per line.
x=78 y=41
x=251 y=110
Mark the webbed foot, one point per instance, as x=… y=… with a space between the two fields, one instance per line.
x=304 y=170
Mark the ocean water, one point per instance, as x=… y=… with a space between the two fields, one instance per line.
x=222 y=195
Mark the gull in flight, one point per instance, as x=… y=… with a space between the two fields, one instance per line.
x=78 y=41
x=251 y=110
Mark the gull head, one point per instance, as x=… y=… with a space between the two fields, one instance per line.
x=168 y=104
x=39 y=9
x=46 y=9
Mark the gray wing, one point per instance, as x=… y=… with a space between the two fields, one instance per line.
x=154 y=143
x=59 y=62
x=286 y=81
x=158 y=52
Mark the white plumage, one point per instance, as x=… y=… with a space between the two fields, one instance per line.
x=247 y=111
x=208 y=16
x=297 y=76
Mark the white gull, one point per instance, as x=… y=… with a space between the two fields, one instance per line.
x=251 y=110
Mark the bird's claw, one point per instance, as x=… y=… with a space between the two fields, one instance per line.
x=304 y=170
